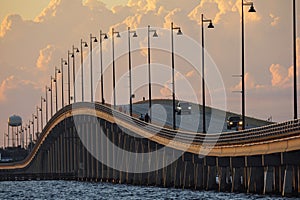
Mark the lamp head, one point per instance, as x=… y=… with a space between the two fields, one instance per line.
x=179 y=32
x=105 y=37
x=155 y=34
x=54 y=80
x=252 y=9
x=77 y=50
x=66 y=63
x=134 y=34
x=210 y=25
x=95 y=40
x=72 y=55
x=85 y=44
x=118 y=35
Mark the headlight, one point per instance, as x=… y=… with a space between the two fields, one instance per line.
x=240 y=122
x=179 y=108
x=189 y=107
x=230 y=123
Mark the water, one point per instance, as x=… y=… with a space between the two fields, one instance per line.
x=88 y=190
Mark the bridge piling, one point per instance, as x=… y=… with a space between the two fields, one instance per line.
x=287 y=181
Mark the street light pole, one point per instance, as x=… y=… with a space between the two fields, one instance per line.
x=69 y=78
x=81 y=61
x=47 y=88
x=91 y=64
x=74 y=70
x=173 y=70
x=113 y=32
x=129 y=64
x=295 y=59
x=104 y=35
x=243 y=59
x=33 y=118
x=203 y=71
x=62 y=62
x=37 y=119
x=149 y=68
x=41 y=109
x=53 y=80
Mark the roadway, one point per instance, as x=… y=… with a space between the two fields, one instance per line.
x=162 y=116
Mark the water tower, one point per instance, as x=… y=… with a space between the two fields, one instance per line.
x=13 y=126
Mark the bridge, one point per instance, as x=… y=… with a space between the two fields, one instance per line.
x=92 y=142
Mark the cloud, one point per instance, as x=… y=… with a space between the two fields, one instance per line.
x=281 y=77
x=10 y=22
x=190 y=74
x=49 y=11
x=218 y=8
x=5 y=85
x=275 y=19
x=45 y=57
x=250 y=83
x=166 y=91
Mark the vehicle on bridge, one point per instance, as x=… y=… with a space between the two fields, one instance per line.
x=183 y=107
x=234 y=122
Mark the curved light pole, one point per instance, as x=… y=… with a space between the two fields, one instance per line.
x=41 y=110
x=37 y=119
x=33 y=118
x=69 y=77
x=53 y=80
x=30 y=137
x=26 y=133
x=210 y=25
x=295 y=58
x=62 y=63
x=113 y=32
x=173 y=70
x=149 y=68
x=49 y=89
x=81 y=61
x=104 y=35
x=74 y=49
x=129 y=63
x=243 y=58
x=92 y=39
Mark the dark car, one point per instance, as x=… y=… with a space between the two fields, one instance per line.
x=234 y=122
x=183 y=107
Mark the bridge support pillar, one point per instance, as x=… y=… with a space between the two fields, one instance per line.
x=150 y=163
x=198 y=176
x=287 y=181
x=269 y=184
x=211 y=178
x=256 y=180
x=236 y=179
x=223 y=176
x=178 y=183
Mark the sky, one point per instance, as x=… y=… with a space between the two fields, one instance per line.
x=36 y=34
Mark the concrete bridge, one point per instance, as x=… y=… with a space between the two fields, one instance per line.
x=92 y=142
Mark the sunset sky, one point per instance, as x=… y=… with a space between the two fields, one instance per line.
x=35 y=34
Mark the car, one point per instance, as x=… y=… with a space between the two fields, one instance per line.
x=234 y=122
x=183 y=107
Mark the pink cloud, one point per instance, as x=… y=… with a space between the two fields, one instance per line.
x=5 y=85
x=45 y=57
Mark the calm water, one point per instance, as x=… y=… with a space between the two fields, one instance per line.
x=86 y=190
